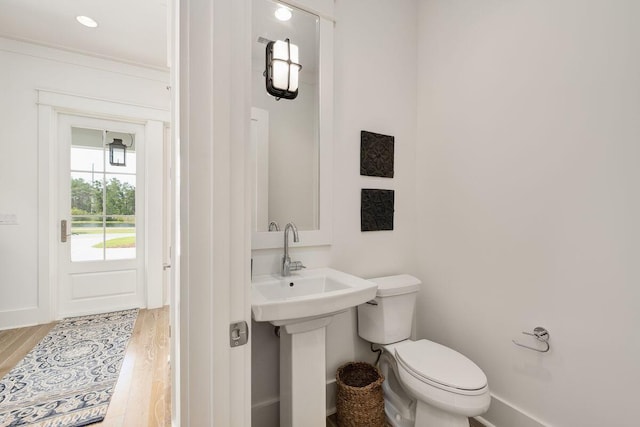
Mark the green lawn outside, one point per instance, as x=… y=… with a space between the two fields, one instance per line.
x=118 y=242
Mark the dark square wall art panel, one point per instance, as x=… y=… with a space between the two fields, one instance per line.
x=376 y=154
x=376 y=210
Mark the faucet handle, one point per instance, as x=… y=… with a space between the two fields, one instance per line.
x=296 y=265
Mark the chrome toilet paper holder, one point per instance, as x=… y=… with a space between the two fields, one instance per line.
x=541 y=334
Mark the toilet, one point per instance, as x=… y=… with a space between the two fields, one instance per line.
x=426 y=384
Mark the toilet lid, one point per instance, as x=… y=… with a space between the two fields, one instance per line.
x=436 y=363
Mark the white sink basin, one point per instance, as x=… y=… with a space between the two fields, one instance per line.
x=304 y=304
x=307 y=295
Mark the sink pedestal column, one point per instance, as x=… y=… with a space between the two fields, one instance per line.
x=303 y=374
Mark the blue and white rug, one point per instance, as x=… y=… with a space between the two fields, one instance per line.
x=67 y=380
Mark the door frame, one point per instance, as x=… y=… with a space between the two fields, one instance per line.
x=218 y=390
x=215 y=279
x=50 y=105
x=134 y=268
x=211 y=128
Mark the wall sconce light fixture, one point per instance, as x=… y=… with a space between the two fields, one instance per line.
x=282 y=68
x=118 y=151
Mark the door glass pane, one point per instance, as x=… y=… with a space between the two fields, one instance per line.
x=120 y=218
x=87 y=151
x=86 y=217
x=102 y=203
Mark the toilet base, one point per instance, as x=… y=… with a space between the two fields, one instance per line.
x=394 y=416
x=427 y=415
x=403 y=410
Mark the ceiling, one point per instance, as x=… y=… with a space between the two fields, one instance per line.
x=133 y=31
x=302 y=29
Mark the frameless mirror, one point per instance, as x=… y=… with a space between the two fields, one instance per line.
x=290 y=138
x=285 y=131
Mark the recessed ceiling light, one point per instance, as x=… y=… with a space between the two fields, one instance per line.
x=86 y=21
x=283 y=13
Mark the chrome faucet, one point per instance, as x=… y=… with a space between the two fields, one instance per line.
x=273 y=226
x=287 y=265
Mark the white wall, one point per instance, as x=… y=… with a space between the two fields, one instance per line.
x=368 y=96
x=528 y=194
x=24 y=69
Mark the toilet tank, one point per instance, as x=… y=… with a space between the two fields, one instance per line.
x=390 y=318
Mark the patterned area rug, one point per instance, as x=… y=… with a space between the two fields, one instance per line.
x=67 y=380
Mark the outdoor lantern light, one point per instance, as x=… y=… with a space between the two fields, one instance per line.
x=117 y=153
x=282 y=69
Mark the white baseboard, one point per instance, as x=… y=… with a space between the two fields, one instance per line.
x=502 y=413
x=20 y=318
x=483 y=422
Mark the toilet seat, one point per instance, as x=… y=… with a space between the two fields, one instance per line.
x=440 y=367
x=429 y=383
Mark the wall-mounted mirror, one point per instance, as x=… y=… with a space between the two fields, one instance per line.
x=291 y=138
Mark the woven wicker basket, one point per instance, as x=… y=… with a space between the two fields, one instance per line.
x=359 y=401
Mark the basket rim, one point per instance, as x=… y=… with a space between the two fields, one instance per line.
x=377 y=383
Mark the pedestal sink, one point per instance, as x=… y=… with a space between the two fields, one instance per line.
x=303 y=304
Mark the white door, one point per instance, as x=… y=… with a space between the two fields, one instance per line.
x=100 y=210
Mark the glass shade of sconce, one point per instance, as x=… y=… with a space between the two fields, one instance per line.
x=117 y=153
x=282 y=69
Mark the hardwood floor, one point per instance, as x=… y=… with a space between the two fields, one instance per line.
x=16 y=343
x=142 y=396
